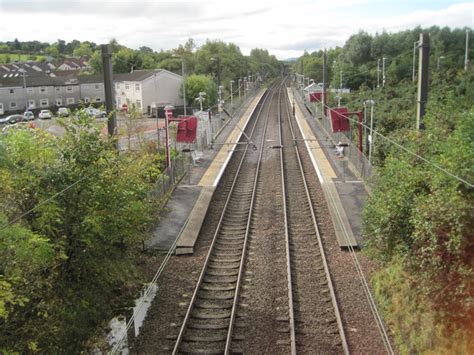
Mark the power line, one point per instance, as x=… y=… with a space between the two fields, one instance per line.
x=444 y=170
x=44 y=202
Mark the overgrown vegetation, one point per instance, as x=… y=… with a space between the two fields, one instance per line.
x=70 y=264
x=419 y=220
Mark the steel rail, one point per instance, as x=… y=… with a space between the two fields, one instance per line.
x=318 y=235
x=247 y=232
x=291 y=311
x=214 y=239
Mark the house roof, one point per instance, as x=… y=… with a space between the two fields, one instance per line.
x=33 y=81
x=73 y=79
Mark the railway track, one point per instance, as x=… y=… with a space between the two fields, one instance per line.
x=209 y=321
x=304 y=317
x=315 y=324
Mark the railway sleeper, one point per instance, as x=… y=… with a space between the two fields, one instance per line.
x=220 y=304
x=220 y=280
x=216 y=295
x=223 y=265
x=210 y=315
x=213 y=287
x=221 y=272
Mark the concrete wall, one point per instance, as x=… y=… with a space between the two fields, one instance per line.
x=92 y=93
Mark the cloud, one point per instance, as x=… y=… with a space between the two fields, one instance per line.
x=126 y=9
x=284 y=29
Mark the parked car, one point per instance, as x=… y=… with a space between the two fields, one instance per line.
x=63 y=112
x=19 y=125
x=45 y=114
x=95 y=112
x=29 y=115
x=13 y=119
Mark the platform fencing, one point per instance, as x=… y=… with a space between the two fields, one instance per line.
x=358 y=162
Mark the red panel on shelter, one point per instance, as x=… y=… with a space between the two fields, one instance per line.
x=315 y=96
x=339 y=119
x=187 y=128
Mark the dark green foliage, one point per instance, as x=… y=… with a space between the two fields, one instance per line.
x=69 y=265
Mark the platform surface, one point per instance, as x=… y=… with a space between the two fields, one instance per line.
x=327 y=176
x=210 y=179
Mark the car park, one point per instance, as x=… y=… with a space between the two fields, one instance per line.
x=45 y=114
x=13 y=119
x=29 y=115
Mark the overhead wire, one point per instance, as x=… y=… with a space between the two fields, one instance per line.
x=418 y=156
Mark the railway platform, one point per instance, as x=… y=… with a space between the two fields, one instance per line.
x=189 y=202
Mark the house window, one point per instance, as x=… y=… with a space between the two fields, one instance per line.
x=69 y=89
x=97 y=99
x=86 y=100
x=137 y=87
x=12 y=91
x=97 y=86
x=31 y=103
x=117 y=85
x=13 y=105
x=43 y=89
x=44 y=103
x=119 y=101
x=139 y=104
x=58 y=89
x=30 y=91
x=127 y=86
x=70 y=100
x=59 y=102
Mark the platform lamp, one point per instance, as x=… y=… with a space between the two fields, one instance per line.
x=231 y=94
x=439 y=59
x=240 y=84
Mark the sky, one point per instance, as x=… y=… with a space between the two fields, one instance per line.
x=285 y=28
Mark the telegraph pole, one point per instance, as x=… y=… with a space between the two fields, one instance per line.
x=423 y=63
x=109 y=91
x=325 y=79
x=466 y=57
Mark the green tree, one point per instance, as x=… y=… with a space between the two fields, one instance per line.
x=52 y=51
x=194 y=84
x=83 y=240
x=82 y=50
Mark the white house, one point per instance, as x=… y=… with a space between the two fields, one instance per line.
x=148 y=89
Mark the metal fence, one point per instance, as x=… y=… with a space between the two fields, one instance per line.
x=358 y=163
x=171 y=176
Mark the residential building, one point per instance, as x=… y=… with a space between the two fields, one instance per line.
x=148 y=89
x=143 y=89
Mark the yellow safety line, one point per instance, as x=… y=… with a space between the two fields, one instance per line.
x=222 y=157
x=315 y=149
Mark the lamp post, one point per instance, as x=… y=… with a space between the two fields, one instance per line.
x=217 y=60
x=240 y=83
x=340 y=90
x=439 y=59
x=415 y=45
x=378 y=72
x=383 y=71
x=371 y=136
x=231 y=94
x=200 y=98
x=466 y=57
